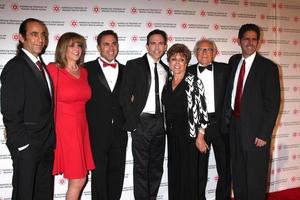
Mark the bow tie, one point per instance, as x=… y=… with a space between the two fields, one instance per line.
x=105 y=64
x=202 y=68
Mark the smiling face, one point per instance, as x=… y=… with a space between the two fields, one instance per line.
x=248 y=43
x=178 y=64
x=74 y=51
x=205 y=53
x=35 y=39
x=156 y=47
x=108 y=47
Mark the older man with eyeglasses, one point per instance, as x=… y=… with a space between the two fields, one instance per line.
x=214 y=76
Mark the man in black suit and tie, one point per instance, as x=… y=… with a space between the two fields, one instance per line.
x=106 y=120
x=251 y=108
x=214 y=76
x=27 y=109
x=140 y=97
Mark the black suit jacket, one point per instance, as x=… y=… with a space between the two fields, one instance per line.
x=221 y=76
x=135 y=89
x=260 y=101
x=26 y=105
x=103 y=109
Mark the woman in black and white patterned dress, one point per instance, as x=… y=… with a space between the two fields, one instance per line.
x=186 y=117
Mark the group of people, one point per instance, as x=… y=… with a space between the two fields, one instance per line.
x=71 y=117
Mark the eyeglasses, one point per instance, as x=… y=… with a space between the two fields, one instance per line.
x=207 y=50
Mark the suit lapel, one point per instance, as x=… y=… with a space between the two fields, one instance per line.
x=100 y=75
x=217 y=83
x=147 y=72
x=251 y=74
x=119 y=79
x=37 y=73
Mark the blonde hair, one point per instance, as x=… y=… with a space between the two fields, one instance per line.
x=63 y=43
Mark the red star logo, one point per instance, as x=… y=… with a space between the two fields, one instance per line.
x=294 y=157
x=274 y=29
x=272 y=171
x=216 y=1
x=56 y=37
x=216 y=27
x=202 y=13
x=184 y=25
x=295 y=111
x=149 y=24
x=133 y=10
x=233 y=14
x=170 y=38
x=273 y=5
x=262 y=16
x=279 y=53
x=295 y=134
x=295 y=42
x=296 y=18
x=14 y=7
x=62 y=181
x=74 y=23
x=134 y=38
x=169 y=11
x=295 y=65
x=263 y=41
x=278 y=170
x=112 y=24
x=56 y=8
x=280 y=29
x=275 y=53
x=218 y=52
x=295 y=88
x=293 y=179
x=96 y=9
x=15 y=36
x=279 y=147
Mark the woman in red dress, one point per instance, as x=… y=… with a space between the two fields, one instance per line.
x=73 y=156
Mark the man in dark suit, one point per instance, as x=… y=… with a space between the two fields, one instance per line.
x=140 y=97
x=251 y=108
x=214 y=76
x=106 y=120
x=27 y=108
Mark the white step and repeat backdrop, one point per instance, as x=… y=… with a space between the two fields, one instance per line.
x=185 y=21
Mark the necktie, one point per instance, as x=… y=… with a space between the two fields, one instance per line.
x=40 y=65
x=105 y=64
x=157 y=102
x=239 y=91
x=202 y=68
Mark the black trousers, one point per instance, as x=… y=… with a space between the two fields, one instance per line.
x=249 y=166
x=32 y=174
x=148 y=147
x=108 y=176
x=220 y=144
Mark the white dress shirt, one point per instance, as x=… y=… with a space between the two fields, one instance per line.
x=207 y=78
x=162 y=77
x=110 y=73
x=248 y=65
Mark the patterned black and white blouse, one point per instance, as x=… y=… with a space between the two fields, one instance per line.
x=185 y=106
x=196 y=104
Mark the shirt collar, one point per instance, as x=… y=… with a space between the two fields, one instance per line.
x=31 y=56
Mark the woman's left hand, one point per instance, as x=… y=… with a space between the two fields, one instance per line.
x=201 y=144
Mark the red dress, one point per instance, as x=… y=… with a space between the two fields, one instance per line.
x=73 y=155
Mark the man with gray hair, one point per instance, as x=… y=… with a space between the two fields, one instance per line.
x=214 y=76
